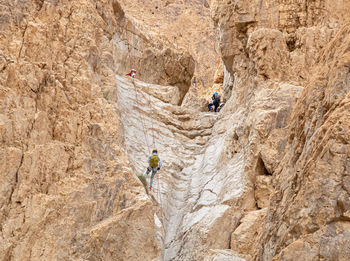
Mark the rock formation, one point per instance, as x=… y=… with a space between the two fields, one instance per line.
x=267 y=178
x=297 y=48
x=67 y=188
x=184 y=24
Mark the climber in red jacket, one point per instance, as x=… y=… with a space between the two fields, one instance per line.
x=132 y=73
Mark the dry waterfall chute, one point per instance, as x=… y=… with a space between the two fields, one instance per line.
x=144 y=127
x=148 y=144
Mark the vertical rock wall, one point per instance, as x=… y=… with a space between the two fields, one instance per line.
x=195 y=194
x=217 y=188
x=68 y=191
x=312 y=179
x=274 y=53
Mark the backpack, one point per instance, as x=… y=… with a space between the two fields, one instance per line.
x=154 y=161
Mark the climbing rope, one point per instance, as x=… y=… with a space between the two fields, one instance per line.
x=159 y=198
x=142 y=121
x=128 y=44
x=130 y=52
x=147 y=98
x=158 y=189
x=133 y=45
x=152 y=126
x=159 y=194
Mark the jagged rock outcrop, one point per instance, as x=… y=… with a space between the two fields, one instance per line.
x=297 y=48
x=242 y=239
x=156 y=61
x=202 y=188
x=312 y=181
x=185 y=24
x=179 y=134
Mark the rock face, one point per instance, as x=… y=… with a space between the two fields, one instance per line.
x=297 y=48
x=184 y=24
x=312 y=180
x=267 y=178
x=242 y=239
x=68 y=191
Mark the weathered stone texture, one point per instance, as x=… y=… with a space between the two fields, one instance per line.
x=312 y=177
x=267 y=178
x=68 y=191
x=295 y=50
x=244 y=238
x=184 y=24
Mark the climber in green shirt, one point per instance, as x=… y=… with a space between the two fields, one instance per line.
x=154 y=164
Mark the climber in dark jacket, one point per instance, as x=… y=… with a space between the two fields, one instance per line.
x=216 y=102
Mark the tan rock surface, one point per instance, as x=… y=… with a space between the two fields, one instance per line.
x=185 y=24
x=292 y=46
x=263 y=191
x=223 y=255
x=74 y=132
x=245 y=239
x=313 y=175
x=209 y=173
x=67 y=188
x=192 y=217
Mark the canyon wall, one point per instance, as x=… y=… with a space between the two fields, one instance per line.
x=188 y=25
x=296 y=50
x=68 y=191
x=267 y=178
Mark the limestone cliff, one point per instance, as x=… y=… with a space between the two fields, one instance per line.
x=267 y=178
x=184 y=24
x=297 y=49
x=68 y=191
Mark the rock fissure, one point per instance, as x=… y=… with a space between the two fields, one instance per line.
x=21 y=47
